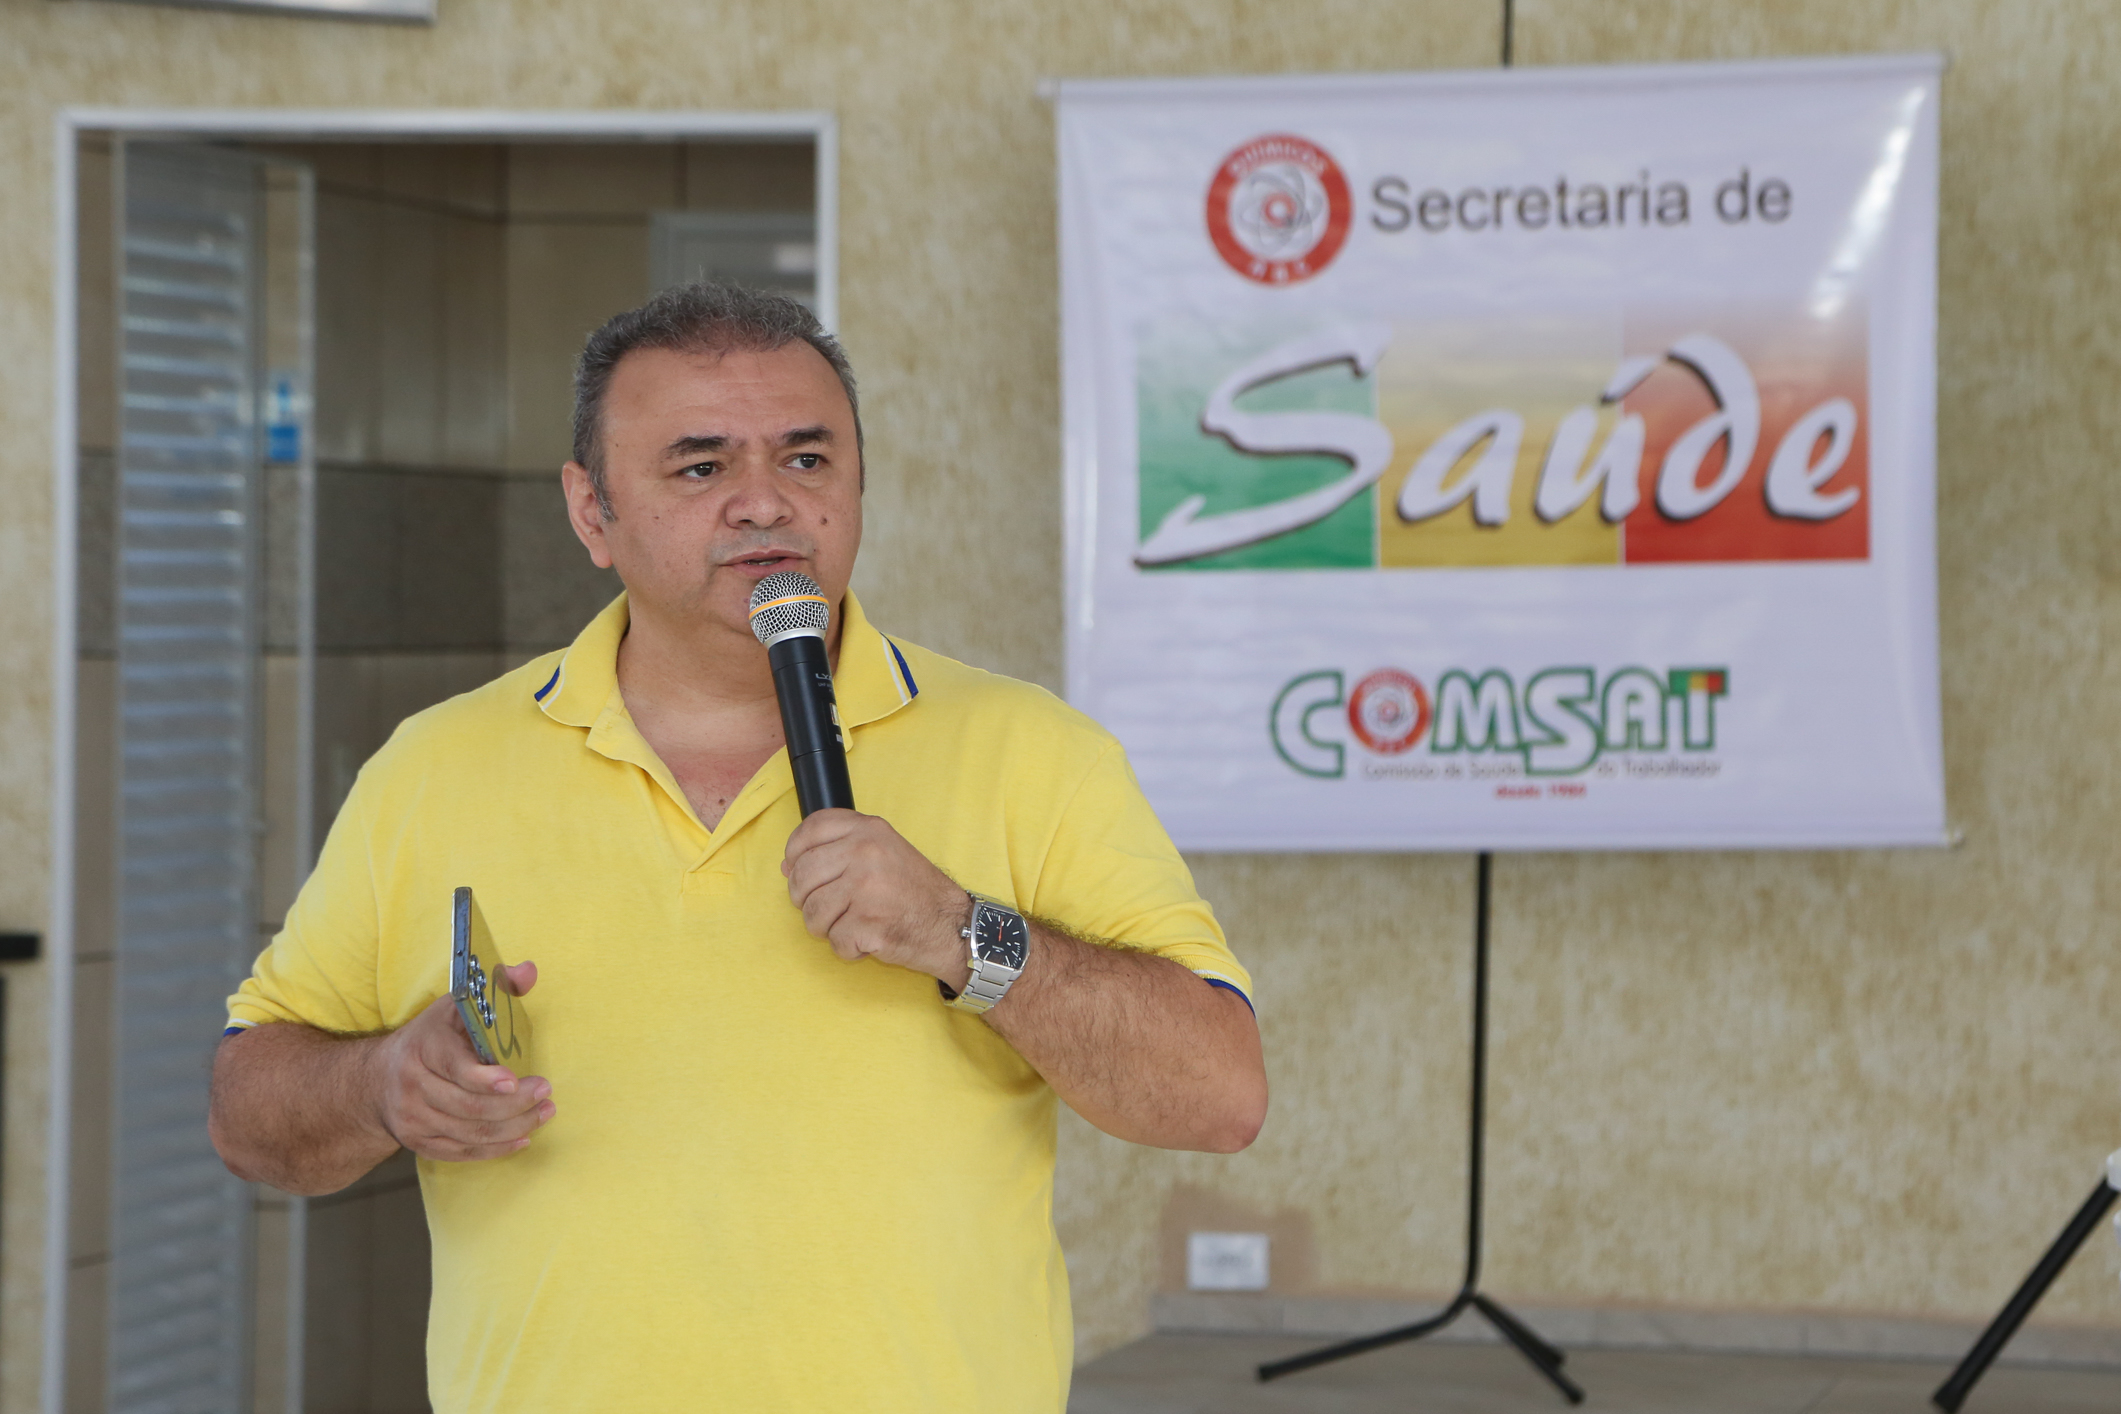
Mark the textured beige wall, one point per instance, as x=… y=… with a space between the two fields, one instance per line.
x=1853 y=1082
x=1878 y=1081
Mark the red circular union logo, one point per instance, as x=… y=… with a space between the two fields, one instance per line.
x=1279 y=209
x=1389 y=711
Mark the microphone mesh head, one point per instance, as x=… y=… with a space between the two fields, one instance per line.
x=788 y=602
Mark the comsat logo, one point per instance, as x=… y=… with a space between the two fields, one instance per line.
x=1558 y=723
x=1279 y=209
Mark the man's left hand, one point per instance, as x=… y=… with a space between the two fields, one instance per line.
x=866 y=891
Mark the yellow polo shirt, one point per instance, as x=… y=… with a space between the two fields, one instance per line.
x=777 y=1181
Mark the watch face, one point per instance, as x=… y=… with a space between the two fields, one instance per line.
x=1001 y=938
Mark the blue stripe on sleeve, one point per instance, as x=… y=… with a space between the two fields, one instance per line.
x=1232 y=987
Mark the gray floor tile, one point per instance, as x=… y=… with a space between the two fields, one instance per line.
x=1177 y=1374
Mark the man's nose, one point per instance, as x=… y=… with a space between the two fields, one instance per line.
x=757 y=498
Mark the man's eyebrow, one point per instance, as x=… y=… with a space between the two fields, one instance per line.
x=796 y=438
x=689 y=446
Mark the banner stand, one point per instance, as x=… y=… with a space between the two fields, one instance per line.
x=1315 y=332
x=1544 y=1357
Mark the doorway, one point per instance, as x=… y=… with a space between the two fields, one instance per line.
x=383 y=318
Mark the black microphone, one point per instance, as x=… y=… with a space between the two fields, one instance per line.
x=789 y=614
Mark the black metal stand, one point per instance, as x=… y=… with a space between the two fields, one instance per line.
x=1544 y=1357
x=1953 y=1392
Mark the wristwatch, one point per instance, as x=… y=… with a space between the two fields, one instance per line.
x=1000 y=942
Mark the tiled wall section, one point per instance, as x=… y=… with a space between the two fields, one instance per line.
x=95 y=891
x=361 y=698
x=578 y=253
x=455 y=286
x=549 y=589
x=408 y=559
x=88 y=1226
x=367 y=1297
x=411 y=331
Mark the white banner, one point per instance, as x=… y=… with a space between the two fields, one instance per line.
x=1536 y=459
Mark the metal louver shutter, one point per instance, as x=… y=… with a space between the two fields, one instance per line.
x=187 y=564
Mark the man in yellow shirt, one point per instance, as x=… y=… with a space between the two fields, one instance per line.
x=789 y=1174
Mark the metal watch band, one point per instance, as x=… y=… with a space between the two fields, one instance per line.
x=991 y=978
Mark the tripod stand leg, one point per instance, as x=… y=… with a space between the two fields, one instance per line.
x=1523 y=1335
x=1275 y=1369
x=1953 y=1392
x=1542 y=1355
x=1544 y=1358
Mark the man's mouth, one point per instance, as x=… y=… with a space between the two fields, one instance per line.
x=767 y=562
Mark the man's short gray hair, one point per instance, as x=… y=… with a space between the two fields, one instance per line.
x=710 y=317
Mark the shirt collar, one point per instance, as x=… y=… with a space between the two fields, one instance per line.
x=872 y=681
x=588 y=670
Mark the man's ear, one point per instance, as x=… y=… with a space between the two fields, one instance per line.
x=585 y=514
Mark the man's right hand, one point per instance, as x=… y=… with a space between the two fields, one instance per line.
x=309 y=1111
x=434 y=1097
